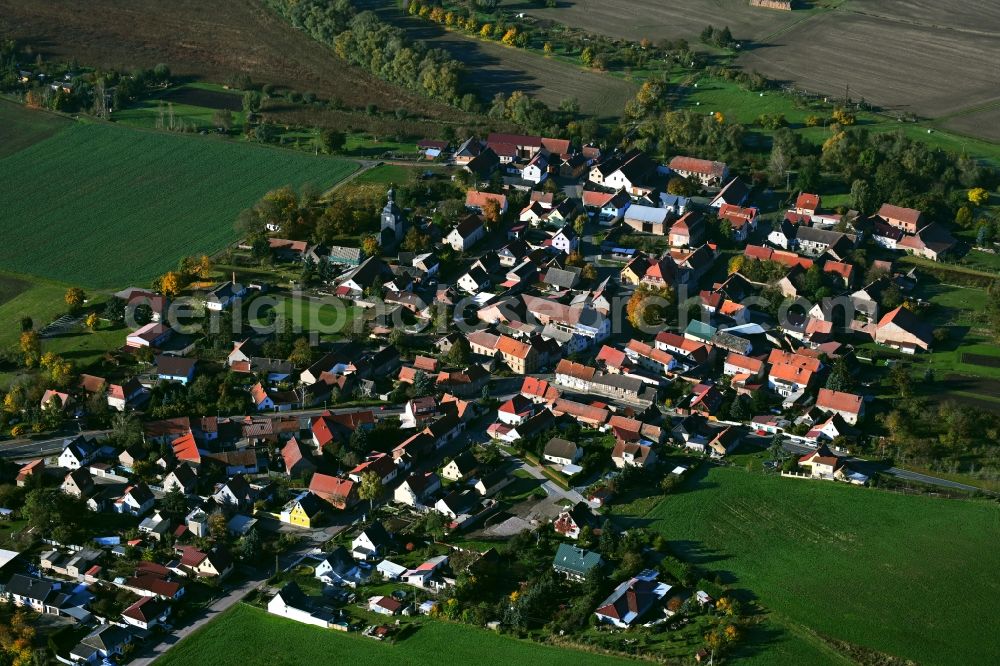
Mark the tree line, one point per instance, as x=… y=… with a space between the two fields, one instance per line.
x=365 y=40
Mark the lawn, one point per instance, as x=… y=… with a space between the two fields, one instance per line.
x=245 y=636
x=330 y=316
x=24 y=296
x=193 y=105
x=859 y=565
x=394 y=174
x=744 y=106
x=106 y=206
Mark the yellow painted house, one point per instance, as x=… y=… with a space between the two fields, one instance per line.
x=303 y=511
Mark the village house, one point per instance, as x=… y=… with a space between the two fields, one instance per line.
x=571 y=521
x=576 y=563
x=902 y=330
x=466 y=233
x=476 y=201
x=806 y=204
x=371 y=543
x=461 y=467
x=417 y=489
x=849 y=406
x=559 y=451
x=631 y=600
x=791 y=374
x=77 y=453
x=151 y=335
x=304 y=510
x=136 y=500
x=706 y=172
x=734 y=194
x=340 y=493
x=632 y=454
x=907 y=219
x=291 y=603
x=687 y=231
x=647 y=219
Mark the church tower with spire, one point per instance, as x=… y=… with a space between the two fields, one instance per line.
x=393 y=221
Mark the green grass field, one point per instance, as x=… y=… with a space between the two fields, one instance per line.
x=745 y=106
x=386 y=174
x=308 y=315
x=105 y=206
x=906 y=575
x=246 y=636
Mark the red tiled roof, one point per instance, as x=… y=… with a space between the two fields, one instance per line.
x=754 y=365
x=186 y=448
x=696 y=165
x=539 y=388
x=909 y=216
x=838 y=268
x=839 y=401
x=425 y=363
x=807 y=201
x=475 y=198
x=612 y=358
x=331 y=488
x=577 y=370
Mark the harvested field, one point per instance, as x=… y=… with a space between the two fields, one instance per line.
x=22 y=127
x=983 y=123
x=925 y=57
x=205 y=41
x=494 y=68
x=655 y=19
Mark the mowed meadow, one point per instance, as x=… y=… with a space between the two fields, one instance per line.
x=248 y=636
x=105 y=207
x=911 y=576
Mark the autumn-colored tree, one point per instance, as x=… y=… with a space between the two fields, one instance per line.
x=736 y=263
x=589 y=272
x=843 y=117
x=509 y=37
x=492 y=213
x=301 y=355
x=576 y=259
x=587 y=56
x=978 y=196
x=17 y=640
x=547 y=48
x=963 y=217
x=60 y=371
x=31 y=348
x=74 y=298
x=646 y=306
x=486 y=30
x=170 y=284
x=580 y=224
x=731 y=633
x=205 y=267
x=92 y=321
x=370 y=246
